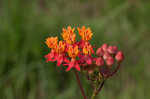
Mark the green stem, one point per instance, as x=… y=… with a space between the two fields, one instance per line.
x=93 y=95
x=96 y=91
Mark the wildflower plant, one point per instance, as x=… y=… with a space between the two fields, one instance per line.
x=80 y=56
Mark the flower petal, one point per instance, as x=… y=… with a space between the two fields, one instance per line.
x=71 y=64
x=77 y=66
x=59 y=60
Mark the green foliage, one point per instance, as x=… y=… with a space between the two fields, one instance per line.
x=24 y=25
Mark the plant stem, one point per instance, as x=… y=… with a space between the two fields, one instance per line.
x=79 y=83
x=114 y=72
x=93 y=95
x=100 y=88
x=96 y=91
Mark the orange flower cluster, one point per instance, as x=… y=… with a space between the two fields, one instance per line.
x=79 y=54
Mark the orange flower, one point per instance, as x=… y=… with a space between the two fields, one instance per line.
x=51 y=42
x=87 y=49
x=73 y=51
x=60 y=47
x=69 y=35
x=86 y=34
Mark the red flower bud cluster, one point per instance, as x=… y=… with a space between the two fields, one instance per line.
x=109 y=54
x=80 y=54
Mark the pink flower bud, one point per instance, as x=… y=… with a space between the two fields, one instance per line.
x=99 y=52
x=104 y=47
x=99 y=61
x=106 y=55
x=112 y=49
x=119 y=56
x=110 y=61
x=115 y=48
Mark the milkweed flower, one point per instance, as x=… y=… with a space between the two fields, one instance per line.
x=73 y=51
x=80 y=55
x=87 y=49
x=51 y=42
x=86 y=34
x=69 y=35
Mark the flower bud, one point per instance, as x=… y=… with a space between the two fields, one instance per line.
x=99 y=52
x=99 y=61
x=119 y=56
x=106 y=55
x=112 y=49
x=104 y=47
x=110 y=61
x=115 y=48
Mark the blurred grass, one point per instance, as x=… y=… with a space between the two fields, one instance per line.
x=24 y=25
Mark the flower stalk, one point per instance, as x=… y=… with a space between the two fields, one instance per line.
x=97 y=89
x=79 y=83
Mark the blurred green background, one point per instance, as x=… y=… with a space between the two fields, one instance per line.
x=24 y=25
